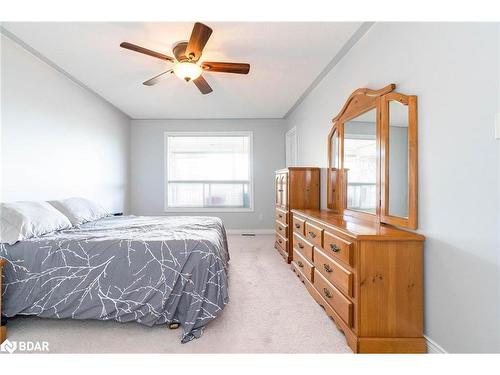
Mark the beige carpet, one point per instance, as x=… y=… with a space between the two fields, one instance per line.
x=270 y=312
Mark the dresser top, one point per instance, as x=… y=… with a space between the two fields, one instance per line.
x=297 y=169
x=360 y=229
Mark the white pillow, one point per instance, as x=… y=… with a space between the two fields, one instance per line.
x=79 y=210
x=23 y=220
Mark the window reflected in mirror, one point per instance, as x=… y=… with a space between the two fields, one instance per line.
x=398 y=159
x=360 y=162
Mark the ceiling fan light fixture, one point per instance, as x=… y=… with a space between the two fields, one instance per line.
x=187 y=71
x=187 y=55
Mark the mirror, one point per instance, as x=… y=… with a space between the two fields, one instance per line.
x=399 y=154
x=360 y=162
x=372 y=158
x=398 y=159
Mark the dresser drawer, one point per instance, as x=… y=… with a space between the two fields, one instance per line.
x=338 y=248
x=342 y=306
x=350 y=337
x=282 y=242
x=282 y=229
x=303 y=246
x=314 y=234
x=303 y=264
x=281 y=216
x=298 y=225
x=299 y=273
x=333 y=272
x=281 y=245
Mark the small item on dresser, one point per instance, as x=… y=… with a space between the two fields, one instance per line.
x=118 y=214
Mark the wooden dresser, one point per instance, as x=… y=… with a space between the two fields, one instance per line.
x=368 y=277
x=295 y=187
x=3 y=329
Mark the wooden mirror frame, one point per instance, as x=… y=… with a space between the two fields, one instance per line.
x=411 y=102
x=360 y=101
x=334 y=193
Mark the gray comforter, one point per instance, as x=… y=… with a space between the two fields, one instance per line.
x=152 y=270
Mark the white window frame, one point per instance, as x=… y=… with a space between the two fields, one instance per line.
x=249 y=134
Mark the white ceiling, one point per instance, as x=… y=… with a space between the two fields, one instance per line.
x=285 y=59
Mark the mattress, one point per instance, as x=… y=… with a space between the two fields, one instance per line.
x=152 y=270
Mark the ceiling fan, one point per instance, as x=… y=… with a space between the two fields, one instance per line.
x=187 y=56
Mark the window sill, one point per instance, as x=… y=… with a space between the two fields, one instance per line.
x=207 y=210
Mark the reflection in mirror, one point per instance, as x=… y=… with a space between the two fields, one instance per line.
x=398 y=159
x=360 y=162
x=334 y=147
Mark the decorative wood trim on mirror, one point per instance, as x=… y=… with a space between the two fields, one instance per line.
x=360 y=101
x=360 y=94
x=334 y=177
x=411 y=102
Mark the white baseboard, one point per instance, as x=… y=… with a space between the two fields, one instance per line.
x=433 y=347
x=251 y=231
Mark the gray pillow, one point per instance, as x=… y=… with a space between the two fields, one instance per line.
x=80 y=210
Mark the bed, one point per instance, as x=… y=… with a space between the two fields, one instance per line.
x=152 y=270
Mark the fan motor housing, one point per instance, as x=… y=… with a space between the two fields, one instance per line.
x=179 y=50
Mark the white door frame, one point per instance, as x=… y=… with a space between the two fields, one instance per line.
x=291 y=160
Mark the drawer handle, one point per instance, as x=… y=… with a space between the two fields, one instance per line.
x=327 y=293
x=280 y=190
x=300 y=246
x=300 y=264
x=280 y=216
x=297 y=226
x=334 y=248
x=327 y=268
x=280 y=241
x=312 y=234
x=280 y=228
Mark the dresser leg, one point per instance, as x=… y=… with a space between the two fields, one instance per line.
x=406 y=345
x=3 y=333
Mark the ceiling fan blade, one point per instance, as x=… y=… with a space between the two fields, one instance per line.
x=225 y=67
x=202 y=85
x=199 y=37
x=146 y=51
x=156 y=79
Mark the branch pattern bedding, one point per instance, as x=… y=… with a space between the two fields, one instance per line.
x=153 y=270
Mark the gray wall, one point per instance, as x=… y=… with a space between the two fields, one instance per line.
x=498 y=161
x=147 y=166
x=57 y=138
x=453 y=68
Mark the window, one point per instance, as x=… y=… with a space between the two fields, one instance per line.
x=208 y=171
